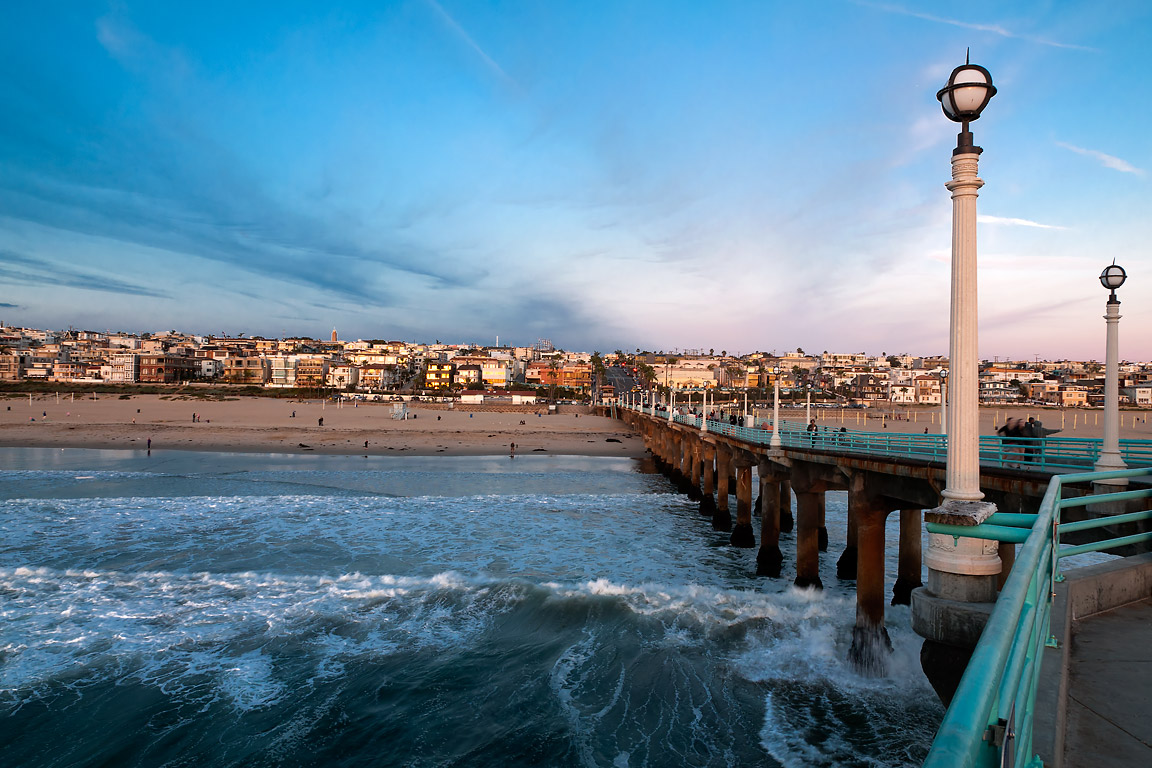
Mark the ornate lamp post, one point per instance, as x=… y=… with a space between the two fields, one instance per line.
x=944 y=401
x=963 y=99
x=775 y=441
x=961 y=570
x=1112 y=278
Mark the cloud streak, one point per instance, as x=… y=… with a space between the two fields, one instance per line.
x=994 y=29
x=1011 y=222
x=489 y=62
x=21 y=269
x=1108 y=161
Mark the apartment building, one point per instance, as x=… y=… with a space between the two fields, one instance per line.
x=281 y=370
x=311 y=370
x=927 y=389
x=124 y=368
x=246 y=370
x=438 y=375
x=494 y=371
x=165 y=369
x=11 y=366
x=343 y=375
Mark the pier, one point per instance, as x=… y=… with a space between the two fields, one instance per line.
x=712 y=459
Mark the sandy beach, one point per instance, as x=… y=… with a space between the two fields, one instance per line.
x=266 y=425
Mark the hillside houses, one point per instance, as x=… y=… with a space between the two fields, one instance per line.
x=173 y=358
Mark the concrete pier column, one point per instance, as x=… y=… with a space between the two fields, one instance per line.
x=660 y=447
x=742 y=535
x=808 y=538
x=908 y=570
x=681 y=452
x=822 y=529
x=708 y=477
x=846 y=565
x=768 y=558
x=695 y=460
x=722 y=518
x=786 y=520
x=809 y=490
x=675 y=458
x=870 y=643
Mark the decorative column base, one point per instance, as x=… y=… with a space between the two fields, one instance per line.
x=951 y=611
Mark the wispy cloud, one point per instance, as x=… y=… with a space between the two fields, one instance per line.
x=1011 y=222
x=994 y=29
x=467 y=38
x=1108 y=161
x=21 y=269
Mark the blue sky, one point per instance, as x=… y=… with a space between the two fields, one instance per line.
x=658 y=175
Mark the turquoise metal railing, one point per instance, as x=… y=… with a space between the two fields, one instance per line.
x=991 y=713
x=1047 y=455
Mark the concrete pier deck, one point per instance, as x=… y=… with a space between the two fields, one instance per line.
x=1109 y=715
x=1094 y=704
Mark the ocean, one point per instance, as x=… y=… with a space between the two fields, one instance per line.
x=204 y=609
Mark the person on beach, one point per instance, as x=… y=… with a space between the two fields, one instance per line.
x=320 y=422
x=512 y=451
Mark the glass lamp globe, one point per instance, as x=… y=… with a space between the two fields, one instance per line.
x=1113 y=276
x=968 y=91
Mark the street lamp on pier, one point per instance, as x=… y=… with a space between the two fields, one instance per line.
x=1110 y=460
x=963 y=99
x=962 y=571
x=944 y=401
x=775 y=441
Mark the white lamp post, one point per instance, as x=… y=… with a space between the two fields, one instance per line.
x=961 y=570
x=967 y=93
x=1110 y=460
x=944 y=401
x=775 y=441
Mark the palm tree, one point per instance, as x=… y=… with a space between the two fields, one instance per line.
x=553 y=375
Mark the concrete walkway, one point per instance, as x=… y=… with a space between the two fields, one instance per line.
x=1109 y=714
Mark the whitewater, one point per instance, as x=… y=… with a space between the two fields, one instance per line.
x=185 y=609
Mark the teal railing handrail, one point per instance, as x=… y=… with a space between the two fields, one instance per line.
x=1047 y=455
x=992 y=709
